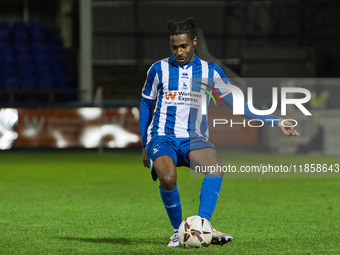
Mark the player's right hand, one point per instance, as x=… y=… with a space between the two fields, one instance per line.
x=145 y=158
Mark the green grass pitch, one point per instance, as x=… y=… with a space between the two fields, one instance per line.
x=83 y=202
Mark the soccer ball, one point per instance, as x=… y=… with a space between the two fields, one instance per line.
x=195 y=232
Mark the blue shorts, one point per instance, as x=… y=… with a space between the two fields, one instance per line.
x=176 y=148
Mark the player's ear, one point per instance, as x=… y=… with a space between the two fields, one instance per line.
x=194 y=41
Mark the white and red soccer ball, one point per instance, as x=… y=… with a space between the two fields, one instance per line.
x=195 y=232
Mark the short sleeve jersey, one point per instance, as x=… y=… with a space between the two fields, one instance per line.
x=183 y=94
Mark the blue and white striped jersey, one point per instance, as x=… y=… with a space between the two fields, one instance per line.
x=181 y=106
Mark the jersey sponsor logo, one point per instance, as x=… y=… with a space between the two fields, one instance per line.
x=170 y=95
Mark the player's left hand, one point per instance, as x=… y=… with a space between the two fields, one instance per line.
x=288 y=129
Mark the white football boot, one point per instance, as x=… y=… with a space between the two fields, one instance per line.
x=174 y=240
x=220 y=238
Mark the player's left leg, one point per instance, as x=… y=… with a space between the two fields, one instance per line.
x=210 y=187
x=212 y=182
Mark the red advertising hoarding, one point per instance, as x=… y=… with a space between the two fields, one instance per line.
x=81 y=127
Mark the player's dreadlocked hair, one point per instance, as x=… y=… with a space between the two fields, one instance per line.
x=187 y=27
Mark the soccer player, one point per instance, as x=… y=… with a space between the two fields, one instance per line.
x=175 y=134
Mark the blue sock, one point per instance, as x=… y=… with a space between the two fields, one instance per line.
x=209 y=194
x=172 y=205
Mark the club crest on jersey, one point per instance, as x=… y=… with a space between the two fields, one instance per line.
x=185 y=86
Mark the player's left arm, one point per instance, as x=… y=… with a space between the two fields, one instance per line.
x=286 y=127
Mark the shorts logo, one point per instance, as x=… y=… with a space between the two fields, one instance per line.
x=155 y=149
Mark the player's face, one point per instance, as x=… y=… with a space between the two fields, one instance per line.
x=183 y=48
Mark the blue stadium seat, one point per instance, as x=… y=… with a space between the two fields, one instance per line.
x=20 y=47
x=40 y=58
x=38 y=47
x=19 y=25
x=42 y=69
x=27 y=82
x=63 y=81
x=19 y=36
x=25 y=69
x=4 y=36
x=10 y=83
x=4 y=25
x=24 y=59
x=58 y=68
x=6 y=48
x=37 y=25
x=6 y=58
x=36 y=36
x=7 y=70
x=45 y=82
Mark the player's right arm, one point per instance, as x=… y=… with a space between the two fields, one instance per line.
x=149 y=94
x=145 y=116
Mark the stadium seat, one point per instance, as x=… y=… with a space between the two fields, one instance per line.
x=4 y=25
x=37 y=26
x=27 y=82
x=19 y=36
x=25 y=69
x=7 y=70
x=6 y=48
x=6 y=58
x=38 y=47
x=58 y=68
x=45 y=82
x=20 y=47
x=24 y=59
x=42 y=69
x=63 y=81
x=19 y=25
x=4 y=36
x=36 y=36
x=40 y=58
x=10 y=83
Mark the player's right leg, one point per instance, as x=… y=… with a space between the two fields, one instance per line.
x=162 y=160
x=166 y=171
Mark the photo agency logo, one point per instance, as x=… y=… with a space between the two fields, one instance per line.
x=294 y=96
x=213 y=90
